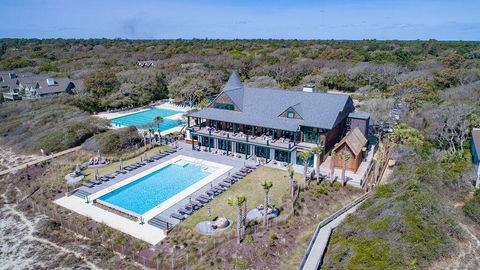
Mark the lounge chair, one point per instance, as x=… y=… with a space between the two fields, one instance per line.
x=205 y=197
x=202 y=200
x=184 y=211
x=219 y=189
x=224 y=185
x=177 y=216
x=104 y=179
x=97 y=182
x=211 y=192
x=241 y=174
x=89 y=184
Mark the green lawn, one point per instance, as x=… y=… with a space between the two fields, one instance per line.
x=250 y=187
x=132 y=158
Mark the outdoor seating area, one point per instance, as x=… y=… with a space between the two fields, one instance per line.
x=201 y=200
x=259 y=212
x=212 y=227
x=86 y=189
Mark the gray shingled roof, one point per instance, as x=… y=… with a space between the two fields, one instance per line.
x=60 y=86
x=359 y=115
x=262 y=107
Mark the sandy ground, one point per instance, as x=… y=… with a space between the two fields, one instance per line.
x=21 y=247
x=10 y=159
x=468 y=257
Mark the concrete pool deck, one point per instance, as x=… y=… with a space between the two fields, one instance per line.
x=146 y=232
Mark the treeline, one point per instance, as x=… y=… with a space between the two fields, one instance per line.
x=183 y=68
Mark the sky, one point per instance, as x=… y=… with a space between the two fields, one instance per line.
x=242 y=19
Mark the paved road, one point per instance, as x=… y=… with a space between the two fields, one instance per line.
x=41 y=159
x=321 y=242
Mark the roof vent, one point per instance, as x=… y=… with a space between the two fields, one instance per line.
x=50 y=81
x=310 y=88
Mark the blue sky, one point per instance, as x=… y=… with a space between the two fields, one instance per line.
x=301 y=19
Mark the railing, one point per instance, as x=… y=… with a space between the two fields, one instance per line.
x=328 y=220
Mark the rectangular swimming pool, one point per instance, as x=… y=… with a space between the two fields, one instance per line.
x=144 y=119
x=153 y=189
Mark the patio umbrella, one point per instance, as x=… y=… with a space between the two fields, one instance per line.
x=209 y=211
x=145 y=156
x=98 y=153
x=121 y=164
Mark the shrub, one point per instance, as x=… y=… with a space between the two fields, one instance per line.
x=248 y=239
x=472 y=207
x=321 y=190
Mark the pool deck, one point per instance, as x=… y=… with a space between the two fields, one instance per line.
x=147 y=232
x=166 y=106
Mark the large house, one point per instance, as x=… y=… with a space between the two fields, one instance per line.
x=16 y=87
x=274 y=124
x=475 y=149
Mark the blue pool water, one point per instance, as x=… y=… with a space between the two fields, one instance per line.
x=155 y=188
x=144 y=119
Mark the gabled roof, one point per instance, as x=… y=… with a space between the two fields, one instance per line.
x=355 y=141
x=262 y=107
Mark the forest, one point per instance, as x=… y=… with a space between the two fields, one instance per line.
x=434 y=87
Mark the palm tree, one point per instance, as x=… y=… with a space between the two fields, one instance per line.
x=291 y=173
x=345 y=157
x=151 y=133
x=305 y=156
x=332 y=165
x=158 y=120
x=266 y=187
x=145 y=133
x=238 y=202
x=317 y=151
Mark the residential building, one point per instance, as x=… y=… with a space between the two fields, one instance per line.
x=475 y=149
x=28 y=85
x=354 y=144
x=273 y=124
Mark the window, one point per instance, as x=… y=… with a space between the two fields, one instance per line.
x=290 y=114
x=223 y=106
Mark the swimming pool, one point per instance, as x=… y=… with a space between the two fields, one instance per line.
x=153 y=189
x=144 y=119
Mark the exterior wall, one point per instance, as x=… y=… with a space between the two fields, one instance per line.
x=333 y=136
x=225 y=99
x=295 y=114
x=476 y=161
x=362 y=124
x=353 y=163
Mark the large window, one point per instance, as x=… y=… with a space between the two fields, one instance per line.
x=290 y=114
x=299 y=161
x=242 y=148
x=263 y=152
x=207 y=141
x=224 y=145
x=281 y=155
x=311 y=135
x=223 y=106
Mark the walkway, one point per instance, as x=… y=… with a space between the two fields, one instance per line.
x=39 y=160
x=318 y=245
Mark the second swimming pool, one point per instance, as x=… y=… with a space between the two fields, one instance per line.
x=144 y=119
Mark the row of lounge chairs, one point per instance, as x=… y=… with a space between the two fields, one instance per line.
x=214 y=191
x=129 y=168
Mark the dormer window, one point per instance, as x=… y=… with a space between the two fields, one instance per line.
x=291 y=114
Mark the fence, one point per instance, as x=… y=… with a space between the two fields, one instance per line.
x=178 y=257
x=328 y=220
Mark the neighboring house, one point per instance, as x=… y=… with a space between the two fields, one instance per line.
x=50 y=86
x=475 y=148
x=274 y=124
x=29 y=85
x=354 y=143
x=10 y=86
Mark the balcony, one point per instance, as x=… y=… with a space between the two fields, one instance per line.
x=262 y=140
